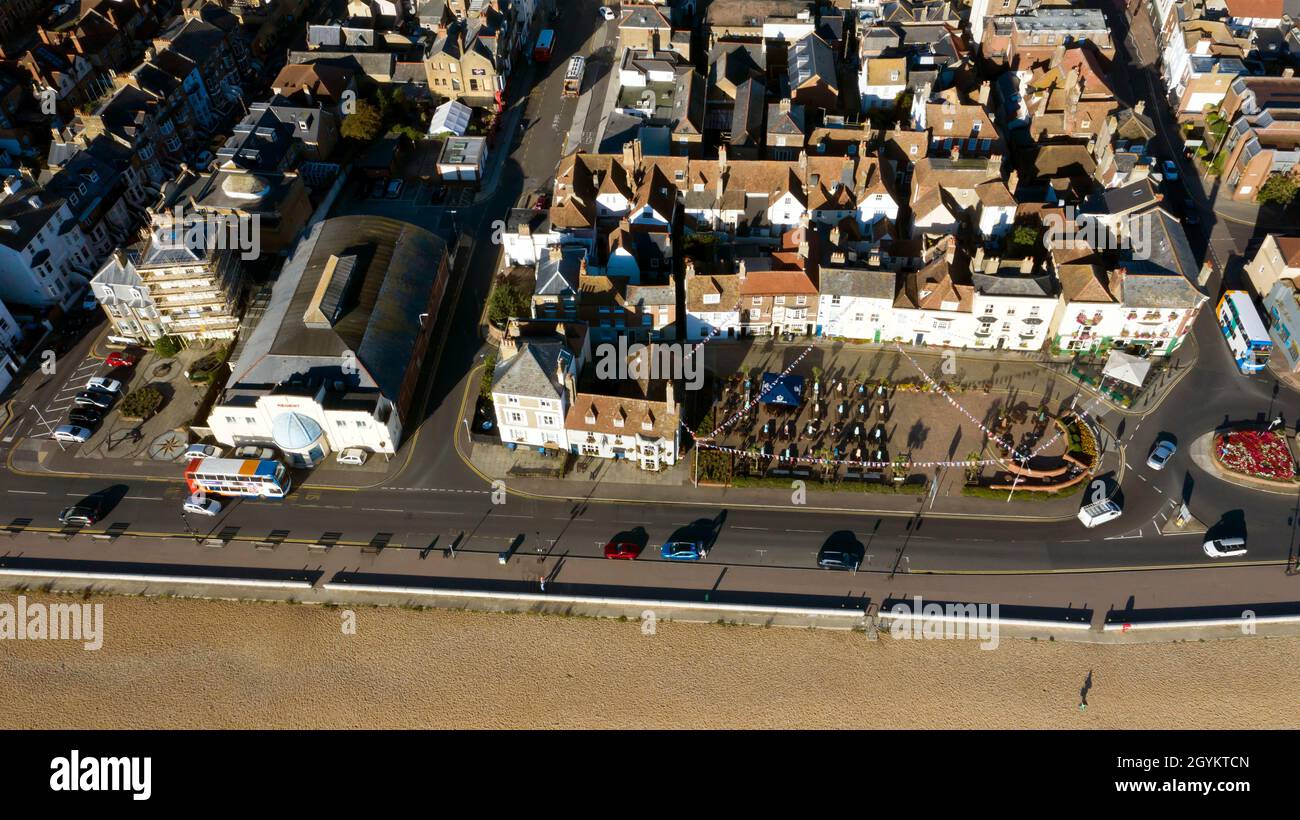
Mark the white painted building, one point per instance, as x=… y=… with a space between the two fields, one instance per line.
x=534 y=381
x=45 y=258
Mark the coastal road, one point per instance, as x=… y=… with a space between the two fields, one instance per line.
x=437 y=499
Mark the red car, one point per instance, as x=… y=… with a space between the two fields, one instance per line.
x=622 y=549
x=540 y=204
x=120 y=360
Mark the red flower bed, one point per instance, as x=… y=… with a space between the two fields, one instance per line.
x=1256 y=453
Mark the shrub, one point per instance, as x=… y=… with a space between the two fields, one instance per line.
x=489 y=369
x=1278 y=189
x=166 y=347
x=141 y=403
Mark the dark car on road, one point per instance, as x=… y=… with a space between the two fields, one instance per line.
x=93 y=398
x=85 y=416
x=841 y=551
x=83 y=513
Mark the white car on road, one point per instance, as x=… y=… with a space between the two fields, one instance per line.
x=201 y=451
x=607 y=12
x=104 y=385
x=201 y=505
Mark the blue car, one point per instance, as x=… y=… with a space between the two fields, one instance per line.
x=682 y=550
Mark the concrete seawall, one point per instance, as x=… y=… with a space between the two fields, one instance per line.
x=1011 y=621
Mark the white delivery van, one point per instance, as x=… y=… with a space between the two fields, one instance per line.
x=1099 y=513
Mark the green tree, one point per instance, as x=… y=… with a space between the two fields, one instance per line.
x=1024 y=236
x=166 y=347
x=1278 y=189
x=362 y=124
x=489 y=370
x=142 y=403
x=507 y=300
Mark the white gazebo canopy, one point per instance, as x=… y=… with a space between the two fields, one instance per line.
x=1126 y=368
x=451 y=117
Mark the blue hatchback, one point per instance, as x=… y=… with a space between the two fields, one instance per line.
x=682 y=550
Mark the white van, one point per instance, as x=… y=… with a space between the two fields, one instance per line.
x=1224 y=547
x=1099 y=513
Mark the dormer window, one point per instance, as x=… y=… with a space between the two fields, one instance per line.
x=591 y=415
x=620 y=418
x=712 y=298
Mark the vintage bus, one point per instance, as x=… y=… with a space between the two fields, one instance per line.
x=1244 y=331
x=238 y=476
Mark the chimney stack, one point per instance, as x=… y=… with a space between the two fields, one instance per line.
x=1027 y=265
x=950 y=249
x=977 y=265
x=784 y=105
x=984 y=93
x=1288 y=73
x=1141 y=106
x=955 y=154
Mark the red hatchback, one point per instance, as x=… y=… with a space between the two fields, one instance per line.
x=622 y=549
x=120 y=360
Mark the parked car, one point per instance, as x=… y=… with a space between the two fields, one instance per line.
x=622 y=549
x=254 y=451
x=85 y=416
x=1225 y=547
x=1171 y=170
x=201 y=451
x=203 y=160
x=394 y=188
x=832 y=557
x=116 y=360
x=1160 y=454
x=540 y=204
x=683 y=551
x=93 y=398
x=201 y=505
x=607 y=12
x=351 y=455
x=105 y=385
x=82 y=514
x=72 y=433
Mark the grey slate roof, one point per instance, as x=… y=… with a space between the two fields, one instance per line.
x=533 y=371
x=398 y=265
x=868 y=283
x=812 y=57
x=997 y=285
x=1127 y=198
x=556 y=277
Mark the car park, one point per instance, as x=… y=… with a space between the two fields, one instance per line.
x=254 y=451
x=116 y=360
x=1224 y=547
x=678 y=550
x=619 y=548
x=202 y=451
x=93 y=398
x=104 y=385
x=352 y=455
x=71 y=433
x=200 y=504
x=1160 y=454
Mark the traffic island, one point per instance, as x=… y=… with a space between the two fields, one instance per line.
x=1248 y=457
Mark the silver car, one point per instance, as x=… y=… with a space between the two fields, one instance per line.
x=1160 y=454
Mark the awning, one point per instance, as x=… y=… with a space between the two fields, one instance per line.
x=1126 y=368
x=786 y=391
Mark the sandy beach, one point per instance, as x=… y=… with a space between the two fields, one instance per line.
x=169 y=663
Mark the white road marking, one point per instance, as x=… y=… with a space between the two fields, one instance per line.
x=802 y=530
x=145 y=497
x=760 y=529
x=28 y=492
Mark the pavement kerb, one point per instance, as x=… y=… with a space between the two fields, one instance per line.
x=471 y=382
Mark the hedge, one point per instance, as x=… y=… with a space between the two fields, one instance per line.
x=142 y=403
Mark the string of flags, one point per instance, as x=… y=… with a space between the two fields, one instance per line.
x=855 y=462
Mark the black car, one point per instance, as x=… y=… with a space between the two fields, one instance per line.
x=839 y=557
x=86 y=416
x=93 y=398
x=83 y=514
